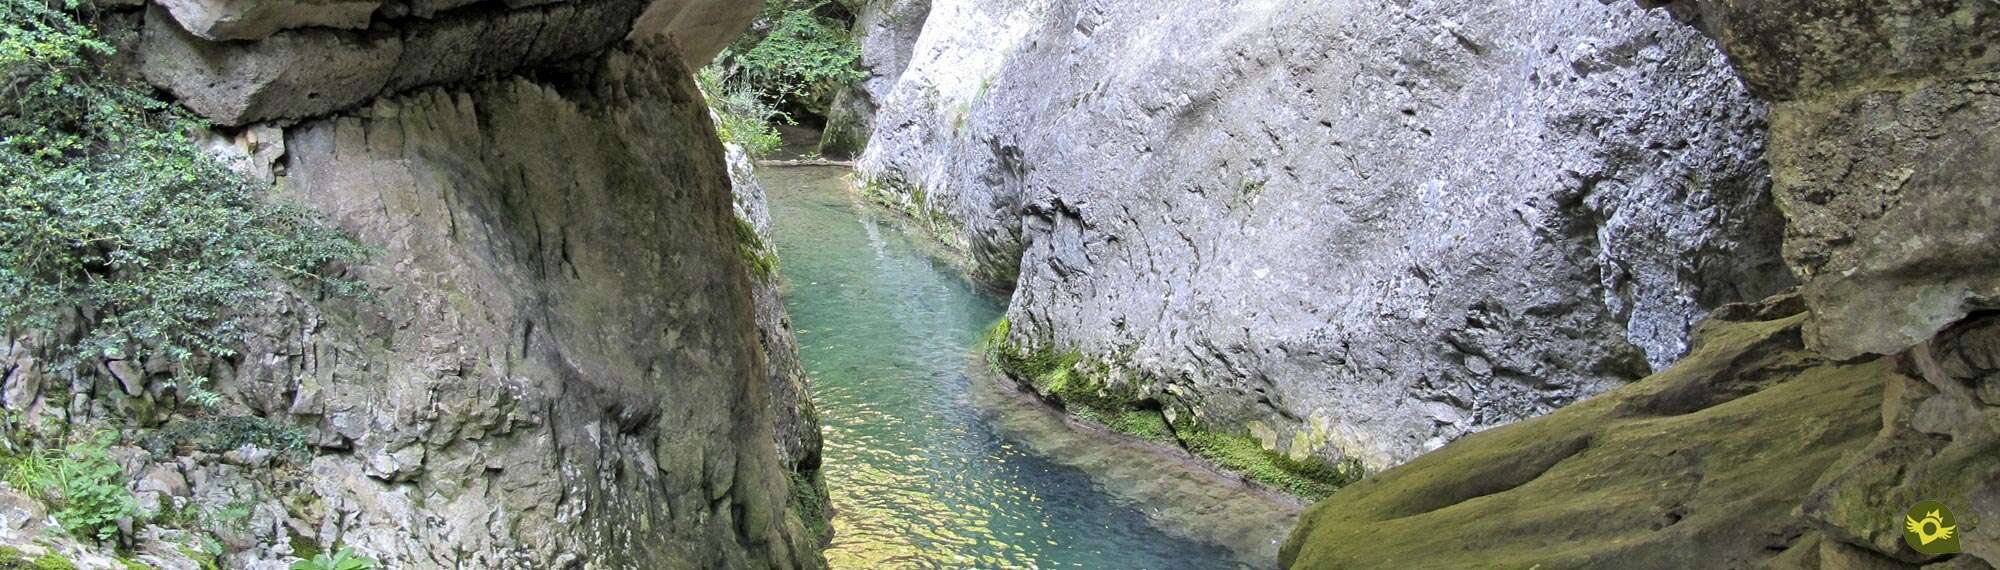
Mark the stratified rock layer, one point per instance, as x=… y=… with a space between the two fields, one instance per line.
x=1351 y=228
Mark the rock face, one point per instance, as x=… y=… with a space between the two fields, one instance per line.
x=1708 y=464
x=322 y=66
x=1886 y=161
x=569 y=357
x=1883 y=149
x=887 y=32
x=1353 y=228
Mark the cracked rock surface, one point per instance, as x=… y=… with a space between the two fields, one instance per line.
x=1367 y=227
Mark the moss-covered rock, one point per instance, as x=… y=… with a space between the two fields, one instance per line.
x=1704 y=465
x=1084 y=387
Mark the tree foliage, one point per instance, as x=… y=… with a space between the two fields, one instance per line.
x=803 y=56
x=792 y=61
x=113 y=223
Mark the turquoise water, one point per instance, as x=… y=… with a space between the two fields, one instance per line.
x=920 y=477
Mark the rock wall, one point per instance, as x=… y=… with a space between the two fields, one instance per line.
x=1885 y=163
x=887 y=31
x=1885 y=160
x=569 y=357
x=1346 y=227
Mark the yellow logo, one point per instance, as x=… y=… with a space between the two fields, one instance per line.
x=1929 y=528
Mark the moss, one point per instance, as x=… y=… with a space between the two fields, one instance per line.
x=762 y=261
x=1078 y=385
x=1709 y=460
x=51 y=561
x=1310 y=478
x=206 y=560
x=1144 y=424
x=131 y=564
x=810 y=504
x=222 y=434
x=303 y=547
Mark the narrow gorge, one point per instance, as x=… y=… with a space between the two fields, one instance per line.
x=1162 y=284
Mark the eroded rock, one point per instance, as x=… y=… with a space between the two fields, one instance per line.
x=1372 y=226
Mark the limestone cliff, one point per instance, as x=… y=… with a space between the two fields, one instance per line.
x=1349 y=228
x=1883 y=149
x=569 y=357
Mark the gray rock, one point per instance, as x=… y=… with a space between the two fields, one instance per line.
x=308 y=72
x=886 y=33
x=256 y=19
x=1883 y=151
x=536 y=361
x=1372 y=226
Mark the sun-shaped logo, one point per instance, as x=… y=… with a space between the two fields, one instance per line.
x=1929 y=528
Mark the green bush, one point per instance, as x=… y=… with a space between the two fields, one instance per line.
x=345 y=559
x=84 y=485
x=741 y=117
x=114 y=222
x=804 y=56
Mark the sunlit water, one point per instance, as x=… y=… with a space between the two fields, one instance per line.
x=919 y=478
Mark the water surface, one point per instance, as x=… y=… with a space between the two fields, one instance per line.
x=920 y=478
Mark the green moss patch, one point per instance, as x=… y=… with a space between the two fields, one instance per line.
x=14 y=559
x=1078 y=385
x=762 y=261
x=810 y=504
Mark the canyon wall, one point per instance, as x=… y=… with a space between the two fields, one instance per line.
x=1802 y=430
x=1346 y=228
x=569 y=355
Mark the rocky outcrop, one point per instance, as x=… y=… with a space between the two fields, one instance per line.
x=566 y=358
x=886 y=33
x=1347 y=228
x=1883 y=154
x=1708 y=464
x=313 y=64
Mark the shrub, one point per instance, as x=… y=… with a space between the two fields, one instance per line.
x=112 y=220
x=84 y=485
x=741 y=117
x=802 y=57
x=345 y=559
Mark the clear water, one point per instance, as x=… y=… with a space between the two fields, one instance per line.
x=920 y=478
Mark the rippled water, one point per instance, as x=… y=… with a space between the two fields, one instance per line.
x=919 y=478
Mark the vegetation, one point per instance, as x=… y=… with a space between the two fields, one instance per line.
x=803 y=57
x=796 y=57
x=811 y=508
x=1077 y=384
x=114 y=223
x=344 y=559
x=13 y=559
x=763 y=262
x=81 y=482
x=741 y=117
x=221 y=434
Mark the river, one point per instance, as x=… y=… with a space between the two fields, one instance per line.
x=922 y=477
